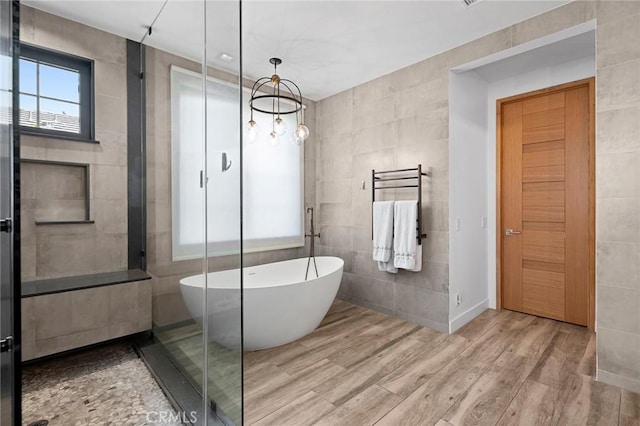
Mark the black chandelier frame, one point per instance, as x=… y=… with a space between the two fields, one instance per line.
x=276 y=96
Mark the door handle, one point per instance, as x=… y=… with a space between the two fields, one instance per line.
x=509 y=232
x=5 y=225
x=6 y=344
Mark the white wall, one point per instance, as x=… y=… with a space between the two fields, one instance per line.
x=467 y=197
x=472 y=160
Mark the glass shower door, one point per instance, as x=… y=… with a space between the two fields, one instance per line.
x=194 y=163
x=224 y=208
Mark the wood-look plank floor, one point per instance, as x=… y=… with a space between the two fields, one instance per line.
x=362 y=367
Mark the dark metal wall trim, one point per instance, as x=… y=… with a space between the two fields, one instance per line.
x=136 y=157
x=17 y=271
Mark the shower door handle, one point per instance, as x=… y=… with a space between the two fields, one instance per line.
x=6 y=344
x=226 y=164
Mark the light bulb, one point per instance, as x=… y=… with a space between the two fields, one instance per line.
x=302 y=132
x=252 y=131
x=298 y=140
x=279 y=126
x=273 y=138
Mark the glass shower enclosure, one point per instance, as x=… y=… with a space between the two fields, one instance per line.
x=194 y=168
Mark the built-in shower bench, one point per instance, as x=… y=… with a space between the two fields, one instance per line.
x=62 y=314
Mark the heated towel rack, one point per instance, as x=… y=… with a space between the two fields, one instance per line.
x=396 y=179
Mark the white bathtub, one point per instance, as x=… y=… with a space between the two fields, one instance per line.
x=279 y=305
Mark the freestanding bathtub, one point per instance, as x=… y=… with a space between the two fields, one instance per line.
x=279 y=305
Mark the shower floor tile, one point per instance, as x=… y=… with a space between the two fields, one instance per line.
x=105 y=385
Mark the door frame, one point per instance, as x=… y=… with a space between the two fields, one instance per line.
x=590 y=83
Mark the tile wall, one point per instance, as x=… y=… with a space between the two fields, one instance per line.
x=50 y=251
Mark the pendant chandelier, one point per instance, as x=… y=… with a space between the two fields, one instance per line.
x=277 y=97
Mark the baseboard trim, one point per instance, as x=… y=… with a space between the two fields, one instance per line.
x=617 y=380
x=468 y=315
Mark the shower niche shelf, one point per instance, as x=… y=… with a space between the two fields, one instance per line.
x=56 y=192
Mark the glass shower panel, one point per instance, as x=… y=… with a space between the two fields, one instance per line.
x=194 y=159
x=175 y=148
x=224 y=209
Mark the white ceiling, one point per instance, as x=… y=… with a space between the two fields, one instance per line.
x=327 y=46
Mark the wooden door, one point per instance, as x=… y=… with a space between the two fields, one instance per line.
x=546 y=202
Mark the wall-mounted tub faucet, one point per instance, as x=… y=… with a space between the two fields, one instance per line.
x=312 y=251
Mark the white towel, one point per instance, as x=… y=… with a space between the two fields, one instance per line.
x=405 y=233
x=418 y=266
x=383 y=235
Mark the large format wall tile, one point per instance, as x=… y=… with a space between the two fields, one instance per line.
x=618 y=86
x=612 y=301
x=73 y=250
x=618 y=41
x=62 y=321
x=618 y=131
x=618 y=352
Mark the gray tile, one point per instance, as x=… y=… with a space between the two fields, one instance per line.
x=169 y=309
x=28 y=328
x=60 y=210
x=59 y=255
x=618 y=86
x=335 y=214
x=109 y=182
x=618 y=352
x=617 y=175
x=567 y=16
x=334 y=191
x=617 y=41
x=376 y=137
x=111 y=252
x=617 y=264
x=619 y=309
x=484 y=46
x=52 y=315
x=334 y=168
x=618 y=131
x=109 y=79
x=335 y=236
x=421 y=303
x=122 y=301
x=611 y=10
x=110 y=217
x=144 y=305
x=343 y=253
x=435 y=247
x=376 y=292
x=365 y=266
x=618 y=219
x=89 y=308
x=434 y=276
x=366 y=115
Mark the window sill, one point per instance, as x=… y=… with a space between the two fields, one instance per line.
x=63 y=222
x=70 y=138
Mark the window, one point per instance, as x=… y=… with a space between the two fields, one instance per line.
x=273 y=179
x=56 y=94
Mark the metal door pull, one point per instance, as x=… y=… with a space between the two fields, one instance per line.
x=509 y=232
